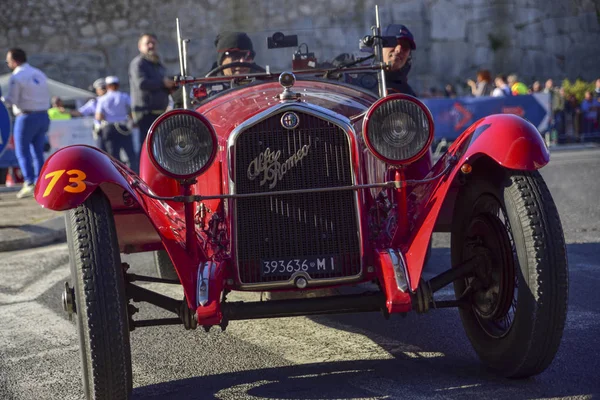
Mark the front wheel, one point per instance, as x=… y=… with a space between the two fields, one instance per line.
x=518 y=299
x=100 y=300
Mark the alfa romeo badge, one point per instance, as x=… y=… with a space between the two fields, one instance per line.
x=290 y=120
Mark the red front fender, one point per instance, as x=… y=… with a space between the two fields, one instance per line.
x=509 y=140
x=71 y=174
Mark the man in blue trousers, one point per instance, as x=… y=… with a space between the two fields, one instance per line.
x=30 y=98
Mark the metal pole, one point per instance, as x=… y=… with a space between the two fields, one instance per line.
x=182 y=62
x=186 y=98
x=379 y=53
x=185 y=44
x=179 y=47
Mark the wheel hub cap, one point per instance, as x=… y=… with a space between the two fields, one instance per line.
x=68 y=300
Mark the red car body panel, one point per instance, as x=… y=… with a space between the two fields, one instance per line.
x=146 y=224
x=96 y=166
x=225 y=112
x=138 y=219
x=397 y=301
x=508 y=139
x=210 y=313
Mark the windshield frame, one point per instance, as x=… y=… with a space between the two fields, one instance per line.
x=272 y=79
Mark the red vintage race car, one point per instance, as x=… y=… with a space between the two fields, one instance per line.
x=295 y=182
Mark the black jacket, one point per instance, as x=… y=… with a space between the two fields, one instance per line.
x=148 y=91
x=397 y=81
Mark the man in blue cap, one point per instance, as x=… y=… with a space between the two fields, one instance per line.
x=398 y=45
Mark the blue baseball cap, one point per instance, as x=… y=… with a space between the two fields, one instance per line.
x=400 y=32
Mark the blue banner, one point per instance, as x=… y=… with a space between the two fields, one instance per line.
x=452 y=116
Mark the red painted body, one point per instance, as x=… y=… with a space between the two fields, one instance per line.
x=509 y=140
x=142 y=223
x=396 y=300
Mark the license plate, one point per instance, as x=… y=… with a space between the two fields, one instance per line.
x=288 y=266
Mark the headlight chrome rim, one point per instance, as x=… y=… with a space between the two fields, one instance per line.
x=154 y=129
x=375 y=106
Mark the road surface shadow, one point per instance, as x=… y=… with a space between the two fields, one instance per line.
x=430 y=357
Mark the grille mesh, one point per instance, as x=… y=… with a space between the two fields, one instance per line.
x=297 y=226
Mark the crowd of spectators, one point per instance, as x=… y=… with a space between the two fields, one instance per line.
x=575 y=111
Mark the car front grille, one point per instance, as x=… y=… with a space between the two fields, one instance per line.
x=270 y=158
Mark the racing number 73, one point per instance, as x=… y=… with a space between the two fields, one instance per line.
x=75 y=177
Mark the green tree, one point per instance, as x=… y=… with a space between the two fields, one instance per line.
x=578 y=88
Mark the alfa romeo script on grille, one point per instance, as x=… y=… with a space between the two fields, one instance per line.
x=286 y=267
x=267 y=163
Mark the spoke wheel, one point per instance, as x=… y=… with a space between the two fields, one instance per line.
x=101 y=303
x=518 y=296
x=494 y=302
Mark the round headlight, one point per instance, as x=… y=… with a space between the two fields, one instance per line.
x=182 y=143
x=398 y=129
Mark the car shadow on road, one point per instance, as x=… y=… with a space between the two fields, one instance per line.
x=429 y=356
x=374 y=379
x=336 y=380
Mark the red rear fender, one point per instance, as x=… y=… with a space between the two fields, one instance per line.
x=71 y=174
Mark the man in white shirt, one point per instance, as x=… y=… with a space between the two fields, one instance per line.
x=30 y=98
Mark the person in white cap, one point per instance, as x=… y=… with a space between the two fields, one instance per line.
x=114 y=113
x=89 y=108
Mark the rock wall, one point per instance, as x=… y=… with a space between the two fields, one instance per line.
x=76 y=41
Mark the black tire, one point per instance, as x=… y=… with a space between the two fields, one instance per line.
x=164 y=266
x=100 y=300
x=517 y=332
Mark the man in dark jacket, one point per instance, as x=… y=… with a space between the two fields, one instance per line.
x=398 y=57
x=148 y=84
x=232 y=47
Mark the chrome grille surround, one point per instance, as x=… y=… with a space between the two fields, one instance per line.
x=338 y=121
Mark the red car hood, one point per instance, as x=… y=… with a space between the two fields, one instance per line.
x=227 y=111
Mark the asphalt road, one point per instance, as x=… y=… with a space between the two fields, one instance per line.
x=360 y=356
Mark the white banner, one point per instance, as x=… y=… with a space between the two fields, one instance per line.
x=67 y=132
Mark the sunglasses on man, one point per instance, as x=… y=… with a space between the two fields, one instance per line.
x=392 y=41
x=240 y=55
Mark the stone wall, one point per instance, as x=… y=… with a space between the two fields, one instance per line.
x=76 y=41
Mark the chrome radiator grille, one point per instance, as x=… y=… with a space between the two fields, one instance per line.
x=270 y=158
